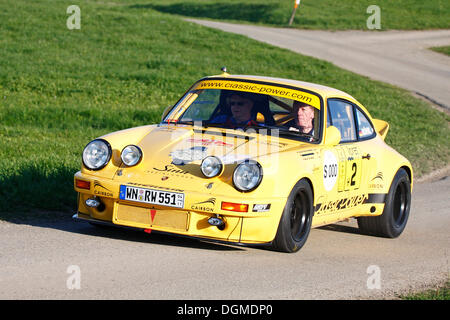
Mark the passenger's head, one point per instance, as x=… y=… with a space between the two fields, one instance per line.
x=303 y=114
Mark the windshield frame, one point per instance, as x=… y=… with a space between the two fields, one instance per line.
x=185 y=102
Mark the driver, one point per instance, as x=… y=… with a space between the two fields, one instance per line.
x=241 y=111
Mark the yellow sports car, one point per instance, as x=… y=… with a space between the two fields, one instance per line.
x=249 y=160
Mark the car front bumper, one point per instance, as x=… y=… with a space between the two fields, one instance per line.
x=257 y=225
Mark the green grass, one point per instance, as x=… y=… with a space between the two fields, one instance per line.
x=444 y=50
x=440 y=293
x=60 y=88
x=313 y=14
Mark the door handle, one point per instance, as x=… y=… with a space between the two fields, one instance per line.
x=367 y=156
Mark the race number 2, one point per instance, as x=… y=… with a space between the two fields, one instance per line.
x=354 y=169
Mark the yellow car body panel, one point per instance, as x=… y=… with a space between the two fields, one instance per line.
x=362 y=170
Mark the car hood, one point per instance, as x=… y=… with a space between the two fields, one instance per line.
x=172 y=155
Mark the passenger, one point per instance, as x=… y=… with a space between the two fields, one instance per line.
x=303 y=118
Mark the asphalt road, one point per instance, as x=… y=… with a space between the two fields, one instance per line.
x=400 y=58
x=337 y=262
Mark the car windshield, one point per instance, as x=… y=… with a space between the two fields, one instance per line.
x=235 y=105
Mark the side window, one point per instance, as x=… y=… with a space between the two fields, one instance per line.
x=342 y=118
x=365 y=129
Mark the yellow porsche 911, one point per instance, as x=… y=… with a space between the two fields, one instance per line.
x=249 y=160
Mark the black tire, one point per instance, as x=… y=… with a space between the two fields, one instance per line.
x=392 y=222
x=295 y=222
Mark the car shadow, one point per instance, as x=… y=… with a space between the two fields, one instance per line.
x=63 y=221
x=342 y=228
x=47 y=200
x=253 y=13
x=23 y=192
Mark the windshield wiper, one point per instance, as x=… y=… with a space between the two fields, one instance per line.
x=200 y=123
x=281 y=131
x=216 y=125
x=190 y=122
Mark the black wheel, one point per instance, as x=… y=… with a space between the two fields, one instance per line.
x=296 y=219
x=392 y=222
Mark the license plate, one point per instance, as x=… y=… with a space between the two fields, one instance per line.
x=151 y=196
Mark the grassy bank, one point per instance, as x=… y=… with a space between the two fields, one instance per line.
x=440 y=293
x=323 y=14
x=60 y=88
x=444 y=50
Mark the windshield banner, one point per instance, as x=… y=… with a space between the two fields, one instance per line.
x=297 y=95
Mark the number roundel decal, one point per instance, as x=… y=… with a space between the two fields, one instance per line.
x=330 y=170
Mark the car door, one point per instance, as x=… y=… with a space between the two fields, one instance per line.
x=352 y=168
x=341 y=115
x=370 y=146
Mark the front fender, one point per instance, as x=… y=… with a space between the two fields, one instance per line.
x=118 y=140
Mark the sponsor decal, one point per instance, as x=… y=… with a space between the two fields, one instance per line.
x=98 y=184
x=169 y=169
x=330 y=170
x=341 y=204
x=260 y=89
x=261 y=207
x=378 y=176
x=377 y=182
x=349 y=168
x=350 y=202
x=207 y=205
x=210 y=142
x=103 y=190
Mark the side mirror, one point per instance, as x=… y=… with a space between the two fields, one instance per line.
x=332 y=136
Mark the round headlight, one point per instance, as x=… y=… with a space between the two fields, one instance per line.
x=131 y=155
x=211 y=167
x=96 y=154
x=247 y=175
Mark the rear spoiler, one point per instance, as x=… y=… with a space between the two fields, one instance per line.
x=382 y=127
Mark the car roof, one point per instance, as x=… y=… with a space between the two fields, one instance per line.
x=324 y=91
